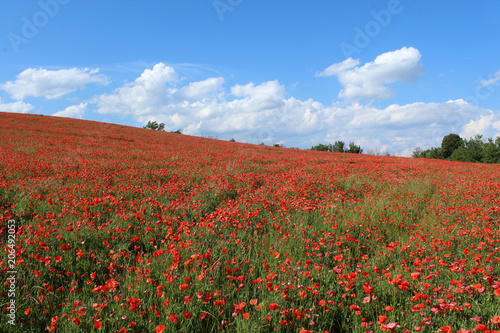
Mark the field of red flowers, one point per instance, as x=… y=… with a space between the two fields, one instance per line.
x=108 y=228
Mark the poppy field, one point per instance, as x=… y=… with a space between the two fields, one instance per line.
x=109 y=228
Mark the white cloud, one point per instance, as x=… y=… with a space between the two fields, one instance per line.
x=51 y=84
x=402 y=127
x=369 y=81
x=143 y=96
x=73 y=111
x=492 y=80
x=263 y=113
x=479 y=126
x=340 y=67
x=266 y=96
x=200 y=90
x=16 y=107
x=268 y=89
x=197 y=107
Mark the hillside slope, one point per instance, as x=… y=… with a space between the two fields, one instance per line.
x=133 y=230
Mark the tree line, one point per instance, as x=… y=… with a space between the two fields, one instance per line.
x=454 y=148
x=338 y=147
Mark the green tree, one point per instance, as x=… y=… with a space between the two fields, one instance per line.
x=491 y=151
x=155 y=126
x=474 y=148
x=459 y=155
x=338 y=147
x=450 y=143
x=151 y=125
x=353 y=149
x=434 y=153
x=418 y=152
x=321 y=147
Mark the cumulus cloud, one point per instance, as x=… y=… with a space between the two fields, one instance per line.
x=266 y=96
x=402 y=127
x=202 y=106
x=144 y=95
x=73 y=111
x=369 y=81
x=263 y=113
x=202 y=89
x=478 y=126
x=17 y=107
x=51 y=84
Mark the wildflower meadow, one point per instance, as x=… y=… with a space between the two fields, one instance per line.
x=109 y=228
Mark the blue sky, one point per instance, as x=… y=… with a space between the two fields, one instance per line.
x=388 y=75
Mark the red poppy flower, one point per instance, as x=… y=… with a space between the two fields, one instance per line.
x=273 y=306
